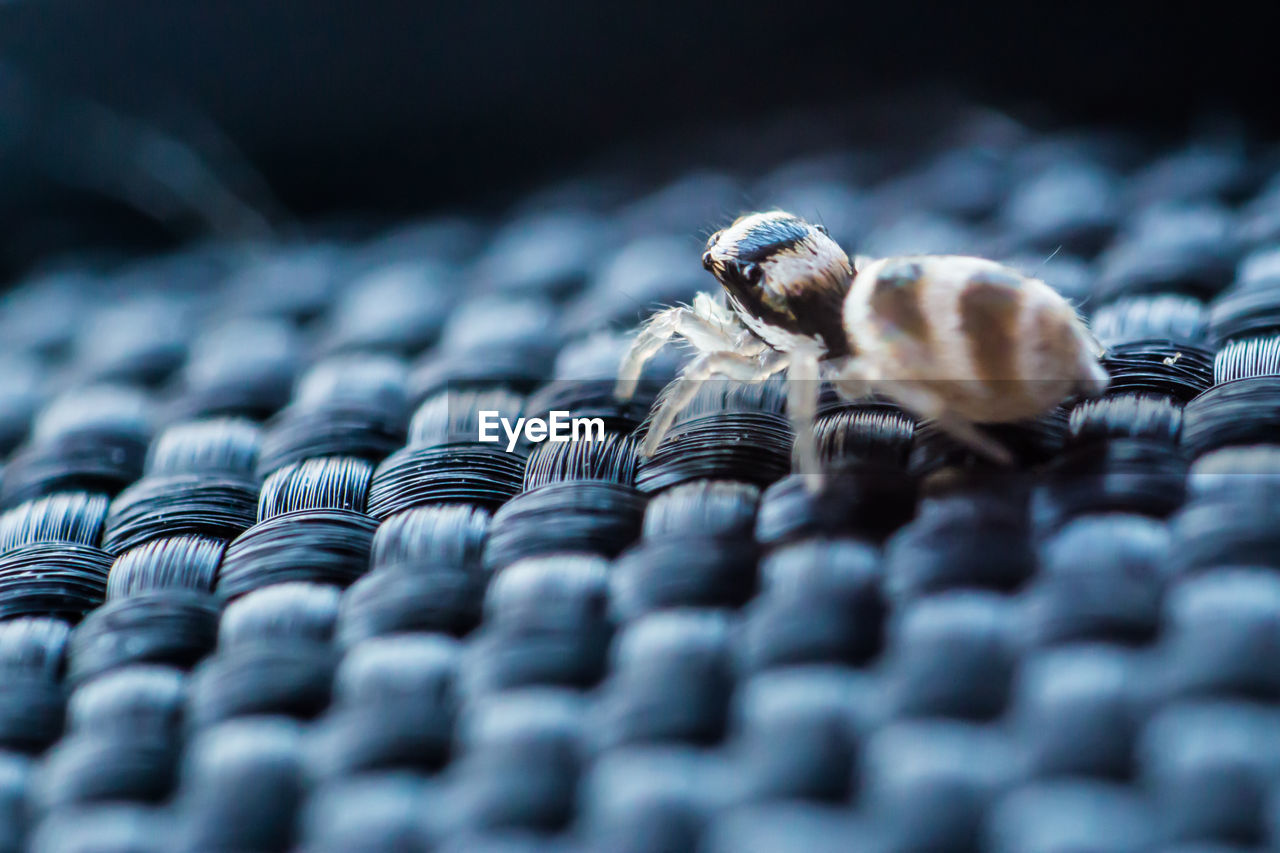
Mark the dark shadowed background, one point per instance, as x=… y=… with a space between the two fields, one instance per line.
x=309 y=108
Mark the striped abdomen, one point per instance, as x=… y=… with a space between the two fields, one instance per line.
x=979 y=339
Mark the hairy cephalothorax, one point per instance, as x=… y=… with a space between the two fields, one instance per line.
x=957 y=340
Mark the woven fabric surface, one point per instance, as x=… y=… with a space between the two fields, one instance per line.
x=262 y=587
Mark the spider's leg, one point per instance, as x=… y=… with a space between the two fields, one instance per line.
x=803 y=384
x=1096 y=347
x=701 y=325
x=730 y=365
x=969 y=435
x=706 y=305
x=656 y=331
x=928 y=405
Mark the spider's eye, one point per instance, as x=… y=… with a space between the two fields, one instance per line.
x=711 y=241
x=822 y=229
x=751 y=273
x=707 y=263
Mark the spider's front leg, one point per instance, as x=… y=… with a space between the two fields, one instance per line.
x=708 y=326
x=803 y=387
x=730 y=365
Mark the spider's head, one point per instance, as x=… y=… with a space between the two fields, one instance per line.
x=782 y=273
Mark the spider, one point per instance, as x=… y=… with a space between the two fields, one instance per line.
x=956 y=340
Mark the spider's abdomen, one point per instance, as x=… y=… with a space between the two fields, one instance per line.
x=990 y=343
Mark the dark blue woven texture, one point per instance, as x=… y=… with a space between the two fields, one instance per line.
x=261 y=588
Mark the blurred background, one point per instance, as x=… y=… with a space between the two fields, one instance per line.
x=136 y=124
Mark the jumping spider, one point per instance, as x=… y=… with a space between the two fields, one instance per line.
x=957 y=340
